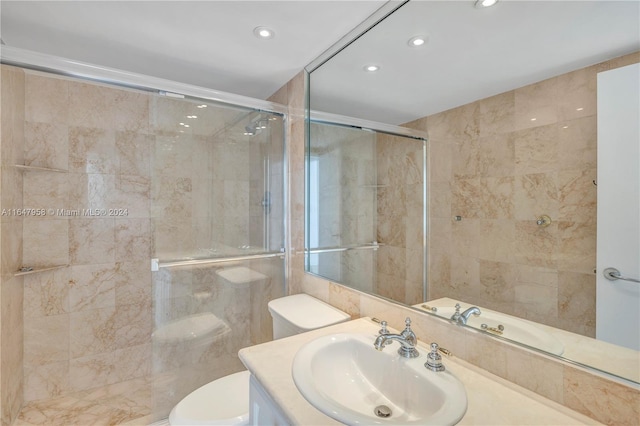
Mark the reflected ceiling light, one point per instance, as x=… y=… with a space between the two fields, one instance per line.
x=201 y=106
x=485 y=3
x=263 y=32
x=371 y=68
x=417 y=41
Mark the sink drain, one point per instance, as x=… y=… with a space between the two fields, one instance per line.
x=382 y=411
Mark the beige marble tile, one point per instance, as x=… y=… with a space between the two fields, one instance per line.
x=49 y=191
x=439 y=198
x=577 y=144
x=462 y=123
x=536 y=195
x=130 y=110
x=465 y=237
x=536 y=104
x=46 y=293
x=536 y=373
x=578 y=89
x=92 y=150
x=497 y=114
x=133 y=283
x=496 y=155
x=465 y=278
x=497 y=289
x=536 y=246
x=576 y=246
x=439 y=275
x=440 y=161
x=46 y=340
x=536 y=150
x=134 y=325
x=497 y=197
x=46 y=381
x=466 y=158
x=92 y=287
x=134 y=153
x=46 y=144
x=46 y=242
x=46 y=99
x=91 y=241
x=12 y=247
x=466 y=198
x=92 y=332
x=577 y=302
x=171 y=197
x=132 y=240
x=604 y=400
x=496 y=240
x=577 y=195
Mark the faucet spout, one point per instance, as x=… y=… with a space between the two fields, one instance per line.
x=407 y=340
x=462 y=318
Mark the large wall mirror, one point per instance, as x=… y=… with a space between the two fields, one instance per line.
x=454 y=162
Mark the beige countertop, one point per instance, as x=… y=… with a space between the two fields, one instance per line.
x=491 y=400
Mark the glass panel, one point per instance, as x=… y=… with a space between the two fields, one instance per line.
x=366 y=210
x=217 y=194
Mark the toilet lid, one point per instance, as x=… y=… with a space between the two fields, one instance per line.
x=222 y=402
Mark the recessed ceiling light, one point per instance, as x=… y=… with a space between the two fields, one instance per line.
x=371 y=68
x=263 y=32
x=417 y=41
x=485 y=3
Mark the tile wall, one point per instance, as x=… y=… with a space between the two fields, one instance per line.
x=400 y=217
x=12 y=82
x=503 y=162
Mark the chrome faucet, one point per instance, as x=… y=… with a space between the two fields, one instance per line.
x=407 y=340
x=462 y=318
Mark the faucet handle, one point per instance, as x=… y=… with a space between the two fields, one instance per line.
x=434 y=360
x=458 y=308
x=383 y=330
x=407 y=323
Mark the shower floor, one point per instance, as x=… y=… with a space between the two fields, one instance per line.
x=125 y=403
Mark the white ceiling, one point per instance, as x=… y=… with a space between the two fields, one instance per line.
x=205 y=43
x=471 y=53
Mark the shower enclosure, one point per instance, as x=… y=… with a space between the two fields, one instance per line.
x=149 y=241
x=366 y=218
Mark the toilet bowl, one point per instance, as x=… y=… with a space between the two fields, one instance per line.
x=226 y=401
x=215 y=397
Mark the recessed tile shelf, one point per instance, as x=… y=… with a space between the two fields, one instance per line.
x=37 y=270
x=39 y=169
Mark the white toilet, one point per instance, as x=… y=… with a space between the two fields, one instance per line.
x=226 y=401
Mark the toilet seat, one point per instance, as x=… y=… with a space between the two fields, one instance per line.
x=221 y=402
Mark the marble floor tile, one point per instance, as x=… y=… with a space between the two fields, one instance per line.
x=121 y=403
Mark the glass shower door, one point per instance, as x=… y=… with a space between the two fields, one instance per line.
x=218 y=224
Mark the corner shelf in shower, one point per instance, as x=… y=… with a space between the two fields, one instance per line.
x=29 y=271
x=39 y=169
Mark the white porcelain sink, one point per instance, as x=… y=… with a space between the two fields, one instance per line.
x=515 y=329
x=346 y=378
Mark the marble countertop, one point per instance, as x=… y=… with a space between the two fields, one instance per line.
x=491 y=400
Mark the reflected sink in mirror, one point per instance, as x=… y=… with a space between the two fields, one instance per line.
x=343 y=376
x=516 y=329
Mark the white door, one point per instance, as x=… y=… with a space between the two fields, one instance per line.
x=618 y=301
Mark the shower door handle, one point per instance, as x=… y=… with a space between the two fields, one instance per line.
x=612 y=274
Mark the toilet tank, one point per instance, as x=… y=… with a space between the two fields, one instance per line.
x=300 y=312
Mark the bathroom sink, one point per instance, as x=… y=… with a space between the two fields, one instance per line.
x=343 y=376
x=515 y=329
